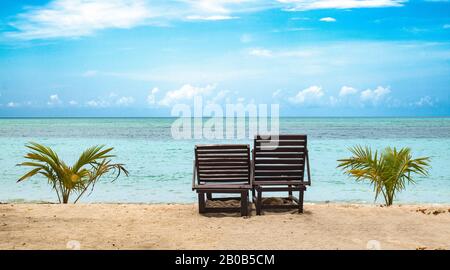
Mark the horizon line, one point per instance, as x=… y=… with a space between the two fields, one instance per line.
x=174 y=117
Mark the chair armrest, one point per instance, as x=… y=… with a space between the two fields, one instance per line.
x=307 y=169
x=194 y=175
x=252 y=173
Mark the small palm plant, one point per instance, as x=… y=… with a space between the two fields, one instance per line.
x=93 y=163
x=388 y=171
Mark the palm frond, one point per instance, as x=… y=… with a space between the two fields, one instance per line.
x=388 y=171
x=92 y=164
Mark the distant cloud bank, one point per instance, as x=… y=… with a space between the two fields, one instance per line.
x=77 y=18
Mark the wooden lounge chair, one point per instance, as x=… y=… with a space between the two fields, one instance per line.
x=280 y=169
x=222 y=169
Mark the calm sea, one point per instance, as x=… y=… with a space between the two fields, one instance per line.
x=161 y=167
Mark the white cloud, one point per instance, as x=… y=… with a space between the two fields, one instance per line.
x=376 y=95
x=92 y=103
x=300 y=5
x=54 y=100
x=210 y=18
x=312 y=93
x=213 y=6
x=226 y=7
x=73 y=103
x=111 y=100
x=446 y=26
x=97 y=104
x=13 y=104
x=348 y=97
x=78 y=18
x=260 y=52
x=125 y=101
x=151 y=98
x=327 y=19
x=75 y=18
x=186 y=92
x=347 y=90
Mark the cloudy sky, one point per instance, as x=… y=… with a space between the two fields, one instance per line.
x=140 y=57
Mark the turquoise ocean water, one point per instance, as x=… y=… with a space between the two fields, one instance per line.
x=161 y=167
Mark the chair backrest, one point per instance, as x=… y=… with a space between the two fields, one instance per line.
x=279 y=157
x=222 y=163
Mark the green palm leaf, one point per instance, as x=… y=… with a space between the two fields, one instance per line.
x=91 y=166
x=389 y=171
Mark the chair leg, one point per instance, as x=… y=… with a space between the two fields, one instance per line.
x=209 y=196
x=253 y=195
x=259 y=202
x=300 y=202
x=201 y=203
x=290 y=191
x=244 y=203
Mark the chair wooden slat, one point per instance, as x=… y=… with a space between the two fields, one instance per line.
x=279 y=165
x=221 y=146
x=286 y=161
x=206 y=181
x=259 y=143
x=285 y=167
x=221 y=159
x=278 y=173
x=281 y=137
x=222 y=174
x=221 y=151
x=221 y=169
x=223 y=163
x=279 y=156
x=238 y=157
x=263 y=150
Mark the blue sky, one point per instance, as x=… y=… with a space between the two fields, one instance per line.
x=140 y=57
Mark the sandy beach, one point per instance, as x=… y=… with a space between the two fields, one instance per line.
x=177 y=226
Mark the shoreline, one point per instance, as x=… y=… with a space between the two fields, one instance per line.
x=179 y=226
x=438 y=205
x=418 y=204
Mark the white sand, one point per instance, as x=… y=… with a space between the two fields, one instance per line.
x=141 y=226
